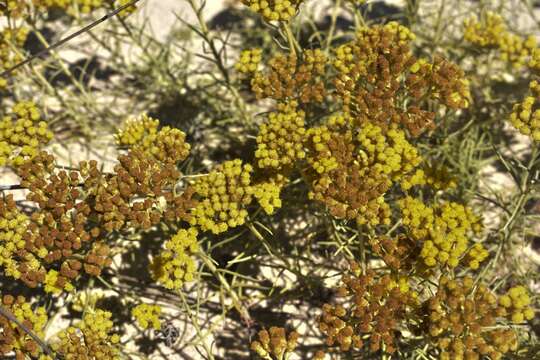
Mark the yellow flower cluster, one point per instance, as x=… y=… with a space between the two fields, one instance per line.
x=476 y=255
x=89 y=339
x=436 y=177
x=280 y=140
x=275 y=344
x=516 y=302
x=166 y=144
x=175 y=265
x=373 y=307
x=13 y=225
x=389 y=154
x=487 y=32
x=249 y=61
x=22 y=136
x=267 y=192
x=224 y=193
x=51 y=283
x=12 y=338
x=378 y=70
x=525 y=116
x=444 y=230
x=138 y=132
x=11 y=39
x=146 y=315
x=274 y=10
x=534 y=62
x=491 y=31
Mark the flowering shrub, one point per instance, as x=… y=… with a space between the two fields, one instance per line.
x=328 y=183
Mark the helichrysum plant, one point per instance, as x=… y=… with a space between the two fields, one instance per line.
x=302 y=172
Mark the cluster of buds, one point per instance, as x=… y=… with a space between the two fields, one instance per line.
x=89 y=339
x=224 y=193
x=525 y=115
x=147 y=315
x=249 y=61
x=11 y=39
x=292 y=79
x=280 y=140
x=175 y=265
x=373 y=305
x=352 y=168
x=516 y=304
x=435 y=176
x=12 y=337
x=444 y=231
x=274 y=10
x=22 y=134
x=377 y=70
x=275 y=344
x=460 y=321
x=491 y=32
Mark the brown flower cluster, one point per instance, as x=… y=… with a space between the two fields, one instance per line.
x=58 y=229
x=373 y=305
x=77 y=208
x=461 y=321
x=377 y=71
x=290 y=78
x=352 y=168
x=15 y=339
x=275 y=344
x=399 y=253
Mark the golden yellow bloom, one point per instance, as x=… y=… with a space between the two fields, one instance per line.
x=224 y=193
x=525 y=117
x=22 y=134
x=249 y=61
x=516 y=302
x=175 y=264
x=280 y=140
x=147 y=315
x=90 y=338
x=274 y=10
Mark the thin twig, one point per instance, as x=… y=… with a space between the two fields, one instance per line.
x=7 y=314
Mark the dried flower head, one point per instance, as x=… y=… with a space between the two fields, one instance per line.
x=275 y=344
x=290 y=78
x=15 y=339
x=372 y=310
